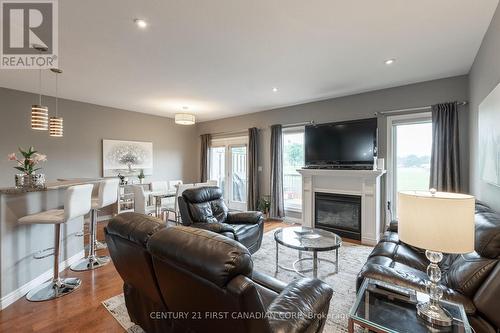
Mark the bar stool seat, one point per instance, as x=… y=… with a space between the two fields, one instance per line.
x=76 y=204
x=53 y=216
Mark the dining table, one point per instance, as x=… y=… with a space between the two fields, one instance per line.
x=158 y=197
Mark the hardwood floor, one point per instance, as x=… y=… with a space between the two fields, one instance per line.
x=80 y=311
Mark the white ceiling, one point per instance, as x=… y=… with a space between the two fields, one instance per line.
x=223 y=57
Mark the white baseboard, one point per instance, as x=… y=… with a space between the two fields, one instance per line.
x=23 y=290
x=368 y=241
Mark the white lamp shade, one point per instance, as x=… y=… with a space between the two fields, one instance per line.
x=56 y=127
x=185 y=119
x=440 y=222
x=39 y=117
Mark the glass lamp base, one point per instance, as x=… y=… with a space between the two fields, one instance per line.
x=434 y=314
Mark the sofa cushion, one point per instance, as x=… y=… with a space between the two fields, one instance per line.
x=468 y=272
x=246 y=234
x=139 y=231
x=202 y=194
x=202 y=212
x=400 y=253
x=487 y=233
x=206 y=204
x=211 y=256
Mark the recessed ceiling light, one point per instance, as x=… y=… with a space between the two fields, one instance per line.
x=275 y=89
x=389 y=61
x=140 y=23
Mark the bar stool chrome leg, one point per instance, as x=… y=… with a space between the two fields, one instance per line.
x=91 y=261
x=57 y=287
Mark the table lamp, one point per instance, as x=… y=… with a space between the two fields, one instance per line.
x=437 y=222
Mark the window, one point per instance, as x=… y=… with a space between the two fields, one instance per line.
x=293 y=159
x=410 y=148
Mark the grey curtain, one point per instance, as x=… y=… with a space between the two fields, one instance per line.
x=205 y=145
x=253 y=172
x=445 y=159
x=277 y=205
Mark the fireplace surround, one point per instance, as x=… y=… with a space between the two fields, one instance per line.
x=364 y=184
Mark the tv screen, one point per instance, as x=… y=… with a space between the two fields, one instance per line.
x=349 y=142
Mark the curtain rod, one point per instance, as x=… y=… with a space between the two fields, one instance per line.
x=245 y=130
x=241 y=131
x=413 y=109
x=304 y=123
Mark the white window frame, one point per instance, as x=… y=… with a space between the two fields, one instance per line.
x=293 y=130
x=406 y=119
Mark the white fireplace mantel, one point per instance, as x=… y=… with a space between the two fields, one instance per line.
x=365 y=183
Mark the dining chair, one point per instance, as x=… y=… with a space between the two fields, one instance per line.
x=140 y=201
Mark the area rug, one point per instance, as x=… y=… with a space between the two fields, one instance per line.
x=351 y=259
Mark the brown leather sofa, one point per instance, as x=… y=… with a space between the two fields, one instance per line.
x=181 y=279
x=472 y=279
x=204 y=208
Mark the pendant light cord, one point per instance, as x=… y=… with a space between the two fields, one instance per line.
x=40 y=87
x=57 y=93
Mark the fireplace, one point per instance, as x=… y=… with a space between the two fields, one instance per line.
x=338 y=213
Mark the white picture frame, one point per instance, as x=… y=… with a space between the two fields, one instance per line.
x=127 y=158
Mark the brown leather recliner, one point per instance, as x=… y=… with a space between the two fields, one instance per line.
x=194 y=280
x=472 y=279
x=127 y=235
x=204 y=208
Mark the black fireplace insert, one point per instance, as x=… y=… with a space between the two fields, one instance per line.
x=338 y=213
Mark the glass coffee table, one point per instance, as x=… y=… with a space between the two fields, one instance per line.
x=307 y=239
x=382 y=307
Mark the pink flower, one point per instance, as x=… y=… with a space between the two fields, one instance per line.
x=12 y=157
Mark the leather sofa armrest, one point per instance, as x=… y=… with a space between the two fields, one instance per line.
x=244 y=217
x=216 y=227
x=268 y=281
x=301 y=307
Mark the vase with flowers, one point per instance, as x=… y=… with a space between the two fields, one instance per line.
x=28 y=164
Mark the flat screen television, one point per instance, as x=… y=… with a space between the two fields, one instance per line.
x=343 y=143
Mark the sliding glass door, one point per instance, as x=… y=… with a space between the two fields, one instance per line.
x=409 y=153
x=228 y=165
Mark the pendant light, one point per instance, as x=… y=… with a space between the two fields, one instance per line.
x=185 y=118
x=40 y=113
x=56 y=123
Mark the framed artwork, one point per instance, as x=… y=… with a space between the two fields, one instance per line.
x=489 y=138
x=126 y=157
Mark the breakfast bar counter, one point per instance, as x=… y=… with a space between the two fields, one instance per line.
x=20 y=271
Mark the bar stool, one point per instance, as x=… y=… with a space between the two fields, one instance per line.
x=77 y=203
x=110 y=200
x=107 y=195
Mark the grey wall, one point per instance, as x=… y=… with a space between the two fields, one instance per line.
x=79 y=152
x=350 y=107
x=483 y=77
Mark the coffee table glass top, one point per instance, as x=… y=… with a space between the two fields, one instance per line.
x=380 y=313
x=308 y=239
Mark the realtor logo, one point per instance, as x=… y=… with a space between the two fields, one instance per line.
x=29 y=38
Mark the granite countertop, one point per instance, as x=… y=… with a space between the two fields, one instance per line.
x=49 y=186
